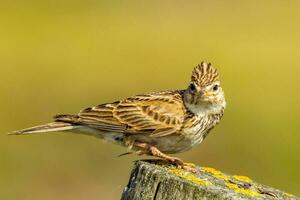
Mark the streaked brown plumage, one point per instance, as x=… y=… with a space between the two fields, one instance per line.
x=154 y=123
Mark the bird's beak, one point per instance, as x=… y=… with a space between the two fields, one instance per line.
x=201 y=93
x=207 y=94
x=204 y=93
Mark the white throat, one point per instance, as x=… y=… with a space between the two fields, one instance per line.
x=206 y=108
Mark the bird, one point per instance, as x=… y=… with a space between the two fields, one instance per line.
x=156 y=124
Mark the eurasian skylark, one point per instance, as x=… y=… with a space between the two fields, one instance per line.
x=154 y=124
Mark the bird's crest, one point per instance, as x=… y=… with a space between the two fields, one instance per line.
x=204 y=74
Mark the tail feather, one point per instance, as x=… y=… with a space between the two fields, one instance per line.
x=66 y=118
x=50 y=127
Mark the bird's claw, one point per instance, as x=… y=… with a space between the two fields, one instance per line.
x=181 y=165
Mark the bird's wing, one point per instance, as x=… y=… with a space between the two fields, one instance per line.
x=158 y=114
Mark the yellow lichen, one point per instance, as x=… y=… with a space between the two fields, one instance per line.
x=288 y=194
x=190 y=177
x=190 y=164
x=247 y=192
x=243 y=178
x=215 y=173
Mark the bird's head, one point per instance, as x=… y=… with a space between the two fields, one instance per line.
x=204 y=94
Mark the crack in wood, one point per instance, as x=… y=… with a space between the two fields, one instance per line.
x=156 y=191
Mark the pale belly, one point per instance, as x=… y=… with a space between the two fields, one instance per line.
x=170 y=144
x=175 y=143
x=167 y=144
x=179 y=142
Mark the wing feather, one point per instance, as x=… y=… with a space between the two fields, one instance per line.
x=156 y=114
x=163 y=132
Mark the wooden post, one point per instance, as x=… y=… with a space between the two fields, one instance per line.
x=156 y=180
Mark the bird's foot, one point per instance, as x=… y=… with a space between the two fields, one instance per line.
x=188 y=168
x=181 y=165
x=153 y=151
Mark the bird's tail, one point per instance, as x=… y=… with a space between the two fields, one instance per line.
x=51 y=127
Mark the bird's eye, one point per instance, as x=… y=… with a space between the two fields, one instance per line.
x=192 y=87
x=215 y=88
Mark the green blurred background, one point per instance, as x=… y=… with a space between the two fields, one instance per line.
x=61 y=56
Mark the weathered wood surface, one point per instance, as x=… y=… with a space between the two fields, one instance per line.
x=155 y=180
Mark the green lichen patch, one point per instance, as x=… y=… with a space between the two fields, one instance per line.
x=289 y=195
x=189 y=177
x=228 y=181
x=247 y=192
x=215 y=173
x=189 y=164
x=242 y=178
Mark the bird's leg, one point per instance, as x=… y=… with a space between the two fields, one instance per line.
x=153 y=151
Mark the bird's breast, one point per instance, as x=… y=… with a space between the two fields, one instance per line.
x=197 y=128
